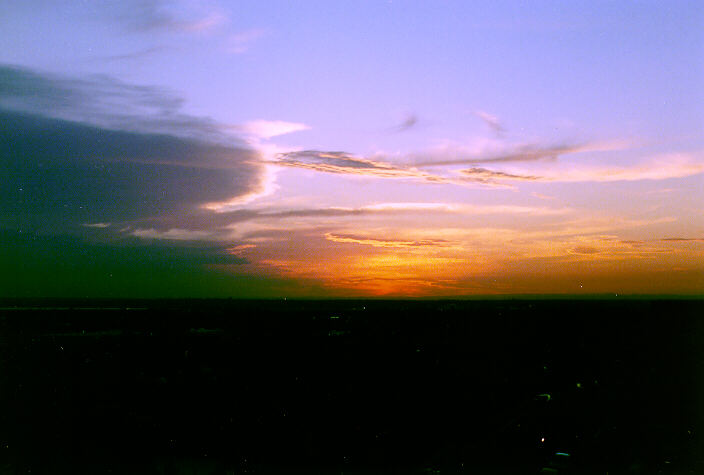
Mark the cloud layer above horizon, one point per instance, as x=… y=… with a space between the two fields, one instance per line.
x=67 y=160
x=224 y=151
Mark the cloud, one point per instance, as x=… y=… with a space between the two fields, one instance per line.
x=59 y=173
x=409 y=206
x=331 y=161
x=344 y=163
x=662 y=167
x=491 y=121
x=420 y=208
x=682 y=239
x=388 y=243
x=171 y=235
x=673 y=165
x=661 y=190
x=97 y=225
x=105 y=102
x=266 y=129
x=633 y=242
x=240 y=249
x=176 y=16
x=542 y=196
x=463 y=208
x=134 y=55
x=485 y=175
x=408 y=123
x=516 y=153
x=584 y=250
x=241 y=42
x=219 y=226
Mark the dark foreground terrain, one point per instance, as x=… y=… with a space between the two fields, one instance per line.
x=226 y=386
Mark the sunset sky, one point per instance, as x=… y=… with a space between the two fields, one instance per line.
x=351 y=149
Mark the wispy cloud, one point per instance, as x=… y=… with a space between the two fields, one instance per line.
x=402 y=258
x=97 y=225
x=174 y=234
x=542 y=196
x=220 y=225
x=674 y=165
x=632 y=242
x=491 y=121
x=407 y=123
x=485 y=175
x=514 y=153
x=266 y=129
x=240 y=249
x=344 y=163
x=464 y=208
x=178 y=15
x=335 y=162
x=131 y=56
x=415 y=207
x=388 y=243
x=662 y=167
x=241 y=42
x=347 y=164
x=588 y=250
x=682 y=239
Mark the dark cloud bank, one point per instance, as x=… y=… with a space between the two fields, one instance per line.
x=81 y=151
x=66 y=172
x=68 y=266
x=63 y=172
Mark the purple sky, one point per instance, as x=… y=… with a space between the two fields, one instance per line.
x=351 y=149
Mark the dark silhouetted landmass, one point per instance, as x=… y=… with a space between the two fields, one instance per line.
x=234 y=386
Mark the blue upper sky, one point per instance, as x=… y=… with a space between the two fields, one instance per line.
x=351 y=69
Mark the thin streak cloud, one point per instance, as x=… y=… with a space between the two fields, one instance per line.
x=266 y=129
x=241 y=42
x=659 y=168
x=408 y=123
x=662 y=167
x=520 y=153
x=492 y=122
x=174 y=234
x=132 y=56
x=343 y=163
x=682 y=239
x=483 y=174
x=386 y=243
x=177 y=16
x=220 y=224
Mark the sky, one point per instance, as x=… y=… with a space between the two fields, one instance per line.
x=321 y=149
